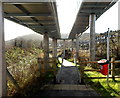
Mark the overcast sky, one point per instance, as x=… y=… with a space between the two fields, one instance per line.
x=67 y=10
x=67 y=17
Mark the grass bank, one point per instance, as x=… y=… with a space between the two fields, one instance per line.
x=100 y=85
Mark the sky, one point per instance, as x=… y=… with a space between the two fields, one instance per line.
x=67 y=11
x=13 y=30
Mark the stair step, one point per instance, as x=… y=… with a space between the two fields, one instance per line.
x=66 y=87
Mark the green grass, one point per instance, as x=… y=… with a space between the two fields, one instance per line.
x=100 y=85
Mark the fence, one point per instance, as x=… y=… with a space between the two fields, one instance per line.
x=112 y=70
x=52 y=65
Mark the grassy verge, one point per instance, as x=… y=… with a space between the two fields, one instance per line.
x=100 y=85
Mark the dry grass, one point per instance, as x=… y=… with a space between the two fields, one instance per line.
x=22 y=64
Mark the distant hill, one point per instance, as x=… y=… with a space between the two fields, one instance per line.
x=85 y=37
x=64 y=35
x=37 y=40
x=32 y=37
x=25 y=41
x=9 y=43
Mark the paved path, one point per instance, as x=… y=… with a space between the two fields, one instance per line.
x=68 y=78
x=68 y=75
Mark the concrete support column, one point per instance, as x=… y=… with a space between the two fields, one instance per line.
x=92 y=36
x=3 y=82
x=118 y=15
x=72 y=44
x=64 y=46
x=54 y=55
x=46 y=51
x=54 y=47
x=77 y=46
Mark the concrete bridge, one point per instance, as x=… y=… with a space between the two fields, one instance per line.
x=41 y=16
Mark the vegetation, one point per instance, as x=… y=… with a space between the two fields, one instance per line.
x=22 y=64
x=100 y=85
x=32 y=88
x=114 y=46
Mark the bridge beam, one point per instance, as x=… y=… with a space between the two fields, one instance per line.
x=46 y=52
x=92 y=20
x=26 y=15
x=3 y=82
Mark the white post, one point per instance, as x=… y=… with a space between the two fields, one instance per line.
x=108 y=44
x=118 y=15
x=92 y=36
x=108 y=54
x=3 y=82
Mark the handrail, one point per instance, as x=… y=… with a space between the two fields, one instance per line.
x=96 y=62
x=113 y=62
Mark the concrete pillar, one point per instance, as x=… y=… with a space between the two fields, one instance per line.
x=72 y=44
x=54 y=55
x=54 y=47
x=92 y=37
x=46 y=51
x=118 y=15
x=77 y=46
x=3 y=82
x=64 y=46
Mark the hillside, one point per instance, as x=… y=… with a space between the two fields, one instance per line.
x=84 y=37
x=25 y=41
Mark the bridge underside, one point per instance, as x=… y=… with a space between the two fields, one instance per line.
x=87 y=8
x=89 y=12
x=39 y=16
